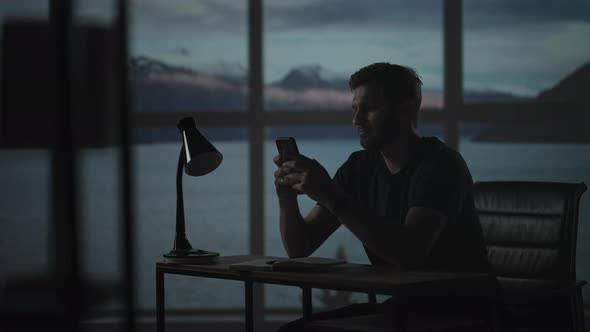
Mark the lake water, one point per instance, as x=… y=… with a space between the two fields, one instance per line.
x=216 y=210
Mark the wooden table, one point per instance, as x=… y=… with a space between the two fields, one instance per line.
x=347 y=277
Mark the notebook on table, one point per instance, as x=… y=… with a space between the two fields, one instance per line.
x=287 y=264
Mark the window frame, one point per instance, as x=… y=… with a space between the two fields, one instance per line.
x=454 y=113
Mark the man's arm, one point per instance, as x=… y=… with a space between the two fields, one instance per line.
x=301 y=236
x=405 y=246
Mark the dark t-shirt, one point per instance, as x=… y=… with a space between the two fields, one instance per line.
x=435 y=176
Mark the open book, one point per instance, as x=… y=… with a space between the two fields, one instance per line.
x=287 y=264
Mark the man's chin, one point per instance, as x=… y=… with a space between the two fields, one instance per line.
x=367 y=144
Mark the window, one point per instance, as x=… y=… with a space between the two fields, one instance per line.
x=26 y=220
x=193 y=57
x=526 y=51
x=330 y=146
x=27 y=10
x=25 y=194
x=189 y=55
x=312 y=47
x=99 y=183
x=215 y=208
x=507 y=161
x=95 y=12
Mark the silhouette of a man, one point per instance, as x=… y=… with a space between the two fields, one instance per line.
x=407 y=198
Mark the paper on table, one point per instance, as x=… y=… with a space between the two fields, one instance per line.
x=286 y=264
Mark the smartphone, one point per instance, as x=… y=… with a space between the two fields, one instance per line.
x=286 y=145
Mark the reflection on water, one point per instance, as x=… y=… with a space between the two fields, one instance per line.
x=216 y=209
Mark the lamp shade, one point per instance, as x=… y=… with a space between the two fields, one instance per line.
x=201 y=157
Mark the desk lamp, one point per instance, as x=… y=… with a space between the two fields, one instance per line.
x=197 y=157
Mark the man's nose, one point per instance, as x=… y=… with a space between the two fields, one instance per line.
x=356 y=119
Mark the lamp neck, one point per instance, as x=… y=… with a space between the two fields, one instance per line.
x=181 y=242
x=179 y=170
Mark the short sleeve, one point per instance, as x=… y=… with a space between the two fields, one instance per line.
x=344 y=175
x=441 y=183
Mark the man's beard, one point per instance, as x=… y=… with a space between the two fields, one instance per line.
x=376 y=141
x=369 y=143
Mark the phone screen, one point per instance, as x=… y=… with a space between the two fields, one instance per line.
x=287 y=145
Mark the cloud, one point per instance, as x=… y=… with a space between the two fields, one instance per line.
x=189 y=19
x=182 y=18
x=497 y=13
x=307 y=98
x=184 y=52
x=526 y=59
x=334 y=13
x=327 y=98
x=205 y=82
x=228 y=16
x=419 y=14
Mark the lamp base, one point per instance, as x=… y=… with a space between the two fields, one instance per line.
x=193 y=256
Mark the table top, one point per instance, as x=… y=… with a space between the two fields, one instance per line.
x=351 y=277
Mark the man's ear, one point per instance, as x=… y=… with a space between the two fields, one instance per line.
x=408 y=109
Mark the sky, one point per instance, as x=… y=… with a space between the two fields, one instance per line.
x=521 y=47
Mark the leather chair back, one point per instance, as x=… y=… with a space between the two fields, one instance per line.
x=530 y=229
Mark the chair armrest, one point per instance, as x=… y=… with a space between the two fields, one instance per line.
x=541 y=294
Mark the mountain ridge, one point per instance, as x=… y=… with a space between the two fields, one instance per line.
x=302 y=87
x=573 y=87
x=162 y=87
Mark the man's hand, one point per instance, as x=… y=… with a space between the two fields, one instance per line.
x=284 y=191
x=301 y=236
x=307 y=176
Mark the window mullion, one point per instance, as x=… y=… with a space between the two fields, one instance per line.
x=256 y=143
x=453 y=69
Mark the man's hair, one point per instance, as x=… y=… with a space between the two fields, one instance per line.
x=397 y=83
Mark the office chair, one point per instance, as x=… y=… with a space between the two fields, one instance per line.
x=530 y=229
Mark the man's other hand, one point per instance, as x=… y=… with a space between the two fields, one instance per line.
x=284 y=191
x=307 y=176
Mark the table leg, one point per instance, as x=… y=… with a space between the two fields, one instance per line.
x=399 y=318
x=160 y=310
x=494 y=317
x=249 y=297
x=306 y=303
